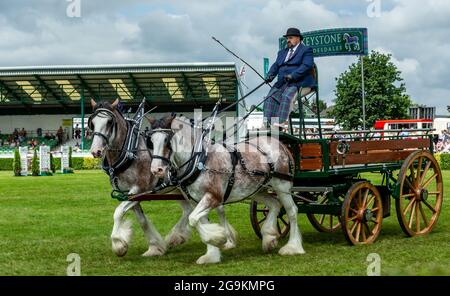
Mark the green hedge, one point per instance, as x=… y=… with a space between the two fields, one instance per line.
x=79 y=163
x=444 y=161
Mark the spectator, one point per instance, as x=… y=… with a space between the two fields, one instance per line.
x=77 y=132
x=59 y=135
x=39 y=132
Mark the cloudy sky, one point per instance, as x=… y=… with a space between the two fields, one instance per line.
x=415 y=32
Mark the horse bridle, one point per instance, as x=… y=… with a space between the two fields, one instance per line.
x=168 y=139
x=114 y=126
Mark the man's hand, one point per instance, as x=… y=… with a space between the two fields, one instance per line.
x=269 y=78
x=288 y=78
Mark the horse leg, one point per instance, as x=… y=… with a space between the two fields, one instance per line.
x=157 y=246
x=212 y=254
x=294 y=245
x=121 y=233
x=229 y=230
x=210 y=234
x=269 y=230
x=181 y=232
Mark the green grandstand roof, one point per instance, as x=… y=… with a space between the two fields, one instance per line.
x=174 y=87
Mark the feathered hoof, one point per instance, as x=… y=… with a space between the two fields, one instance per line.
x=176 y=239
x=208 y=259
x=290 y=250
x=154 y=251
x=213 y=234
x=229 y=245
x=119 y=246
x=269 y=242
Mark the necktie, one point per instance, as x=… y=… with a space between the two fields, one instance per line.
x=291 y=51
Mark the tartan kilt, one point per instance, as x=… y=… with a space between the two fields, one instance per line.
x=277 y=106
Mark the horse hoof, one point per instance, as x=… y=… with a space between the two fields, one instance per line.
x=154 y=251
x=269 y=243
x=207 y=259
x=289 y=250
x=176 y=239
x=119 y=246
x=229 y=245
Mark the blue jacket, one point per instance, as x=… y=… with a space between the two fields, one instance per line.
x=300 y=66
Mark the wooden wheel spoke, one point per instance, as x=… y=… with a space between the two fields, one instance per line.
x=354 y=227
x=412 y=214
x=322 y=217
x=354 y=211
x=425 y=185
x=424 y=217
x=364 y=232
x=408 y=195
x=374 y=221
x=408 y=206
x=352 y=218
x=365 y=203
x=358 y=232
x=429 y=206
x=425 y=171
x=368 y=229
x=409 y=184
x=372 y=198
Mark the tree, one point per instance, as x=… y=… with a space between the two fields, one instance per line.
x=17 y=167
x=35 y=164
x=385 y=93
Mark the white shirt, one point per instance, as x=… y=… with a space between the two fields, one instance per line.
x=293 y=51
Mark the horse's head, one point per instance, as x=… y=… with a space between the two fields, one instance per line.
x=161 y=135
x=103 y=124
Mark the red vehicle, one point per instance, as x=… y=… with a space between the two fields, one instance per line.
x=396 y=124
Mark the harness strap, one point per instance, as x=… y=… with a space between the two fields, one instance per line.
x=234 y=160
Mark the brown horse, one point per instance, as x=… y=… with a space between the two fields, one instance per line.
x=261 y=161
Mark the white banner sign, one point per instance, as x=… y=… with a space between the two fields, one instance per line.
x=23 y=151
x=64 y=158
x=44 y=159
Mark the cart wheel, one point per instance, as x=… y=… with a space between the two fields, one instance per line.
x=362 y=214
x=420 y=193
x=258 y=214
x=324 y=222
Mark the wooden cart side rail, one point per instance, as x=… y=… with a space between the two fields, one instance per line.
x=381 y=151
x=366 y=146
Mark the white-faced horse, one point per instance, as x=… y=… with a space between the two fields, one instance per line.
x=250 y=165
x=110 y=134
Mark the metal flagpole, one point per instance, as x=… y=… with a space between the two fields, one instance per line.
x=363 y=93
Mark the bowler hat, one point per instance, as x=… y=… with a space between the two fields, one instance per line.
x=293 y=32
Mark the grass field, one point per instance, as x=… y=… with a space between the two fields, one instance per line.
x=43 y=219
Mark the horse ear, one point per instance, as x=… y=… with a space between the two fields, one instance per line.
x=173 y=114
x=151 y=120
x=93 y=103
x=115 y=103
